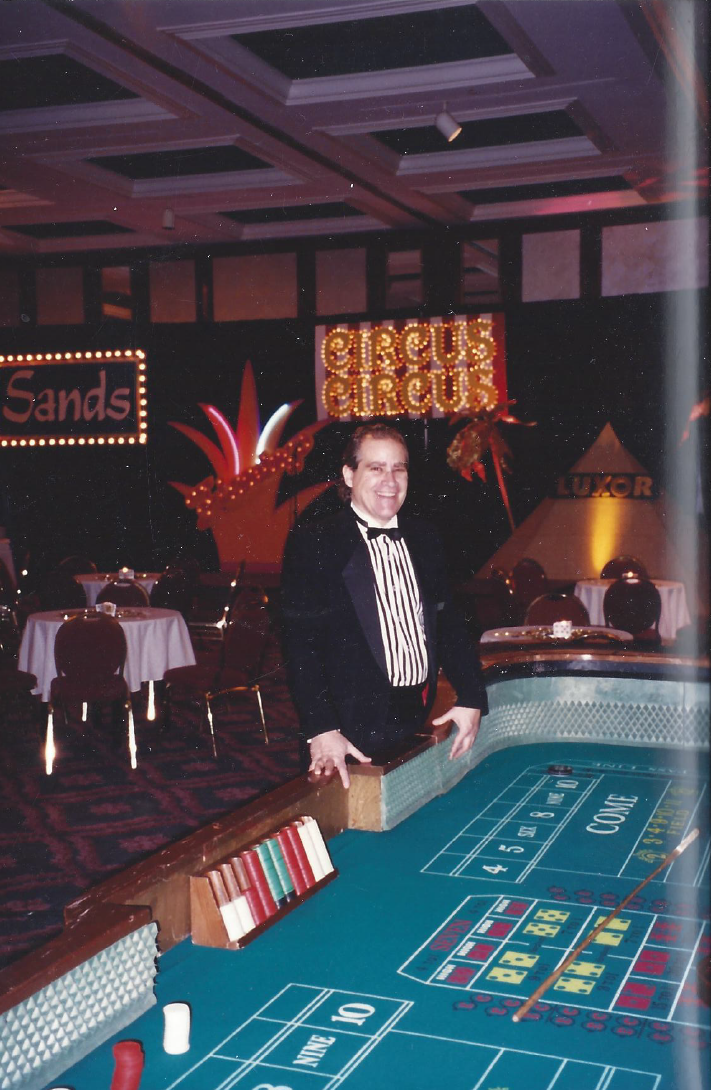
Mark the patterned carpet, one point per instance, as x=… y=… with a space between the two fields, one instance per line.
x=63 y=833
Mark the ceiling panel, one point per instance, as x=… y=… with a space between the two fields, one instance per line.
x=54 y=79
x=411 y=39
x=177 y=162
x=492 y=132
x=261 y=119
x=77 y=229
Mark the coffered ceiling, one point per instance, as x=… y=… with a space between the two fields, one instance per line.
x=256 y=119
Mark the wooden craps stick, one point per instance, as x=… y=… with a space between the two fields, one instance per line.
x=551 y=979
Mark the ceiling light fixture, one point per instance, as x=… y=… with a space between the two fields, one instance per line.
x=446 y=124
x=168 y=219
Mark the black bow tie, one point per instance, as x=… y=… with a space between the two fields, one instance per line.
x=375 y=531
x=393 y=533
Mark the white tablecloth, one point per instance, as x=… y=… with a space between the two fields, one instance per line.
x=94 y=584
x=156 y=641
x=538 y=633
x=675 y=612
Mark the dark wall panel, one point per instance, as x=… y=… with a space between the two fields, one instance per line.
x=572 y=366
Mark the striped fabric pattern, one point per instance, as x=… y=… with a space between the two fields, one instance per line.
x=399 y=610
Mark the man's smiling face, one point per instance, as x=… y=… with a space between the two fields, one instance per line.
x=379 y=482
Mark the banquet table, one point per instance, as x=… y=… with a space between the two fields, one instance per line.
x=543 y=633
x=675 y=611
x=94 y=582
x=156 y=640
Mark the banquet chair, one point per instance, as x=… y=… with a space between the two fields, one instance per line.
x=7 y=586
x=634 y=605
x=9 y=632
x=89 y=653
x=210 y=614
x=76 y=565
x=59 y=590
x=172 y=590
x=622 y=567
x=186 y=564
x=123 y=592
x=528 y=581
x=13 y=682
x=488 y=603
x=241 y=661
x=556 y=606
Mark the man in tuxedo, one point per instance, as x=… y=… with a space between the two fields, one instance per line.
x=368 y=618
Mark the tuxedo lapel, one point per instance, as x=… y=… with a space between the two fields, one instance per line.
x=429 y=604
x=358 y=578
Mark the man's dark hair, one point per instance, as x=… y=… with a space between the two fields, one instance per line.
x=351 y=455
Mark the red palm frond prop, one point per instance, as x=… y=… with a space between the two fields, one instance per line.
x=466 y=451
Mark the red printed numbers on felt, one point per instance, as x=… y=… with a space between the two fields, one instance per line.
x=129 y=1065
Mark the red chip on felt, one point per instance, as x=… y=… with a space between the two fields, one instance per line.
x=129 y=1065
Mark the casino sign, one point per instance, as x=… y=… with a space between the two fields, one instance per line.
x=422 y=367
x=595 y=486
x=73 y=398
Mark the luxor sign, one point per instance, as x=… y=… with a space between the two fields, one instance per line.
x=595 y=486
x=73 y=398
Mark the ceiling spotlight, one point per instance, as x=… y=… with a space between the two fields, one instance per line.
x=168 y=219
x=446 y=124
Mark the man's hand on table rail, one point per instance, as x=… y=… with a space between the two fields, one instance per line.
x=467 y=722
x=328 y=755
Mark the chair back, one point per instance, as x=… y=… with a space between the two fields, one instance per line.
x=247 y=633
x=172 y=590
x=633 y=605
x=186 y=564
x=60 y=591
x=529 y=581
x=76 y=565
x=624 y=567
x=494 y=608
x=90 y=647
x=9 y=633
x=124 y=592
x=7 y=586
x=555 y=606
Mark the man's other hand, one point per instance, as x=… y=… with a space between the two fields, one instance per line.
x=329 y=751
x=467 y=722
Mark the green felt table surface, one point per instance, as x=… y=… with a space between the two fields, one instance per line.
x=406 y=970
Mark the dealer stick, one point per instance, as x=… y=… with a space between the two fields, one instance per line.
x=689 y=839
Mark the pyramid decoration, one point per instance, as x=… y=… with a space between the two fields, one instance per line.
x=574 y=538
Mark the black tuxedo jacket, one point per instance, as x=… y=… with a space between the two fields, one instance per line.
x=335 y=656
